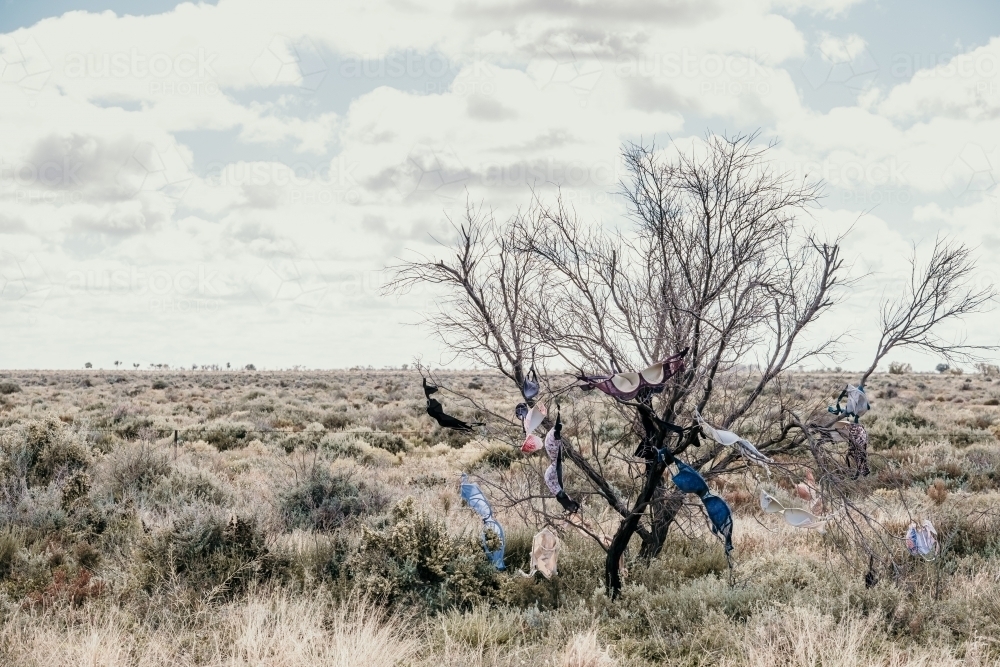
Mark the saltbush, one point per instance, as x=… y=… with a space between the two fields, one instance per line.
x=223 y=435
x=390 y=442
x=324 y=501
x=41 y=452
x=134 y=467
x=498 y=456
x=8 y=387
x=212 y=552
x=414 y=560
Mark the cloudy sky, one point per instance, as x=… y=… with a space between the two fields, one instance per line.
x=225 y=182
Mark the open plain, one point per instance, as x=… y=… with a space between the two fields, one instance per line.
x=313 y=518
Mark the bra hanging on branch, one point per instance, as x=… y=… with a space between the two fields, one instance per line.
x=730 y=439
x=473 y=496
x=436 y=411
x=922 y=541
x=690 y=480
x=626 y=386
x=553 y=474
x=793 y=516
x=857 y=403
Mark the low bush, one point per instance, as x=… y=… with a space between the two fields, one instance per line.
x=334 y=421
x=498 y=456
x=414 y=560
x=134 y=467
x=193 y=486
x=10 y=544
x=8 y=387
x=324 y=501
x=42 y=451
x=447 y=436
x=910 y=419
x=390 y=442
x=213 y=553
x=223 y=435
x=324 y=557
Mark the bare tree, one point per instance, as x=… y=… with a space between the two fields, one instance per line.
x=715 y=260
x=938 y=293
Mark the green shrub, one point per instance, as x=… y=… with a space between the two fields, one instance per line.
x=189 y=487
x=334 y=421
x=223 y=436
x=344 y=445
x=390 y=442
x=415 y=560
x=160 y=384
x=10 y=544
x=964 y=535
x=125 y=423
x=498 y=456
x=8 y=387
x=450 y=437
x=308 y=440
x=134 y=467
x=41 y=452
x=350 y=445
x=324 y=557
x=324 y=501
x=908 y=418
x=227 y=437
x=211 y=554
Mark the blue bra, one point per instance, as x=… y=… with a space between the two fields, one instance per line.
x=473 y=495
x=690 y=480
x=530 y=387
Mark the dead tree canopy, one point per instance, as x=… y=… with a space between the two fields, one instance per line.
x=710 y=256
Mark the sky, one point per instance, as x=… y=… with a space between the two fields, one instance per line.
x=227 y=182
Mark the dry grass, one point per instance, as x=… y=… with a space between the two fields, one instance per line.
x=805 y=637
x=268 y=629
x=250 y=541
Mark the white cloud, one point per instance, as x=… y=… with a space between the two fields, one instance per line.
x=239 y=174
x=966 y=86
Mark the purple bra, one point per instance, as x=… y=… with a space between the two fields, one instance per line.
x=626 y=386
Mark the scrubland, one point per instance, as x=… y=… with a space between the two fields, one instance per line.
x=313 y=518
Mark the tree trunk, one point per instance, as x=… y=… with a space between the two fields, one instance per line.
x=665 y=505
x=627 y=528
x=650 y=448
